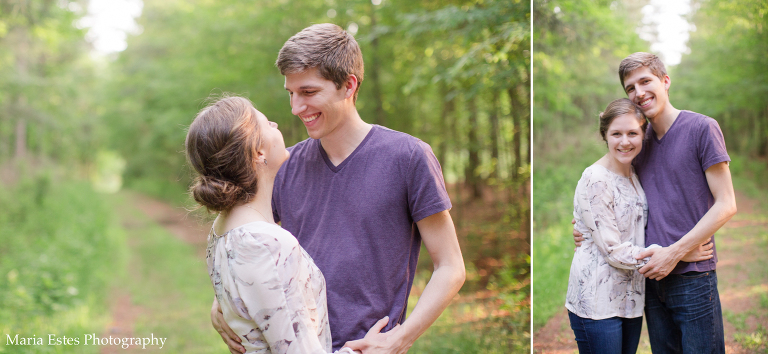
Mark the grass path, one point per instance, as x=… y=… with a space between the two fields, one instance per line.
x=743 y=284
x=165 y=291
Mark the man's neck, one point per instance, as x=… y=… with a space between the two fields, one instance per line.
x=663 y=121
x=340 y=143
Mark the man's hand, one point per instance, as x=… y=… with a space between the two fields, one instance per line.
x=663 y=261
x=701 y=253
x=577 y=236
x=229 y=337
x=377 y=342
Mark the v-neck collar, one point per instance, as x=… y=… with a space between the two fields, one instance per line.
x=339 y=167
x=656 y=137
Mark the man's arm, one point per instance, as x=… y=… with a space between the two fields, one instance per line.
x=439 y=236
x=664 y=260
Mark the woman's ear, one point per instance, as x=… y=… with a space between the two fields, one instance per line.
x=261 y=157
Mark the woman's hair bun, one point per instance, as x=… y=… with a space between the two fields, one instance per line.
x=216 y=194
x=221 y=148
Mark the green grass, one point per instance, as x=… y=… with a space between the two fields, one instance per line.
x=168 y=281
x=59 y=250
x=556 y=173
x=499 y=323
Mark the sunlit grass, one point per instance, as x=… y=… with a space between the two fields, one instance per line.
x=60 y=249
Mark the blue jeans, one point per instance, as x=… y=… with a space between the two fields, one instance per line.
x=611 y=335
x=684 y=315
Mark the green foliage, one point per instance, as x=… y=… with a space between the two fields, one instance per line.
x=724 y=75
x=60 y=251
x=184 y=55
x=48 y=102
x=578 y=46
x=756 y=342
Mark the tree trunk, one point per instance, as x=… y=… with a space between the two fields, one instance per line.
x=374 y=67
x=494 y=133
x=446 y=127
x=516 y=143
x=22 y=70
x=763 y=142
x=473 y=180
x=21 y=138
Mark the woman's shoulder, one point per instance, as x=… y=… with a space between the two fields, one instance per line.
x=595 y=173
x=261 y=237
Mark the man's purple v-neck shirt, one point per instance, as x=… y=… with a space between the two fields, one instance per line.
x=357 y=221
x=672 y=172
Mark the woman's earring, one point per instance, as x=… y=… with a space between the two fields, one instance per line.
x=265 y=162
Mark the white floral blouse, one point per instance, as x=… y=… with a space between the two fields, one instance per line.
x=270 y=291
x=611 y=211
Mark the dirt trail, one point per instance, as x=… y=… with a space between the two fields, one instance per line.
x=738 y=261
x=178 y=221
x=182 y=225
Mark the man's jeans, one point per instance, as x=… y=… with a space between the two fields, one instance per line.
x=613 y=335
x=684 y=315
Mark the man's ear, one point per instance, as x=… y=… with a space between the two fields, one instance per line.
x=350 y=86
x=667 y=82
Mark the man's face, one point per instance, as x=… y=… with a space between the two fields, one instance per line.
x=647 y=91
x=316 y=101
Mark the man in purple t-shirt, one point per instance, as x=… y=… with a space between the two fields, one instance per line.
x=360 y=199
x=683 y=168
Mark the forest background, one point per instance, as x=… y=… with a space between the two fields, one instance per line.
x=578 y=46
x=90 y=144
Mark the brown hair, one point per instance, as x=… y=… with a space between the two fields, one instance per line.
x=617 y=108
x=221 y=147
x=641 y=59
x=327 y=47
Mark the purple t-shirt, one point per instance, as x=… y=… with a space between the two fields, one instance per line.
x=357 y=221
x=671 y=171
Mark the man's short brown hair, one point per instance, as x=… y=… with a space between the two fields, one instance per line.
x=327 y=47
x=641 y=59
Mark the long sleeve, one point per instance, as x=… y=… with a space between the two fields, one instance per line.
x=271 y=283
x=610 y=211
x=601 y=213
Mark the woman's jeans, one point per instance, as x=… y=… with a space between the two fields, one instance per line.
x=684 y=315
x=610 y=335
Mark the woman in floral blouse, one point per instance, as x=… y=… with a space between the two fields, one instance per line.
x=605 y=291
x=269 y=289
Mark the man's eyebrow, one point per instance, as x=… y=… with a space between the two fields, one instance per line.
x=306 y=87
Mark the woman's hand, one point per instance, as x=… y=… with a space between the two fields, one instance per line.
x=702 y=253
x=229 y=337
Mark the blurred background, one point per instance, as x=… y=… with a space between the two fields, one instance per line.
x=95 y=236
x=715 y=53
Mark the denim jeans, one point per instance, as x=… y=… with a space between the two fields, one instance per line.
x=684 y=315
x=611 y=335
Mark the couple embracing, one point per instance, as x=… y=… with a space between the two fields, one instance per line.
x=354 y=201
x=645 y=216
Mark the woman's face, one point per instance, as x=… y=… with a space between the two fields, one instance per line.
x=625 y=138
x=272 y=143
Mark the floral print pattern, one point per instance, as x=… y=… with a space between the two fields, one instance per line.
x=270 y=290
x=611 y=212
